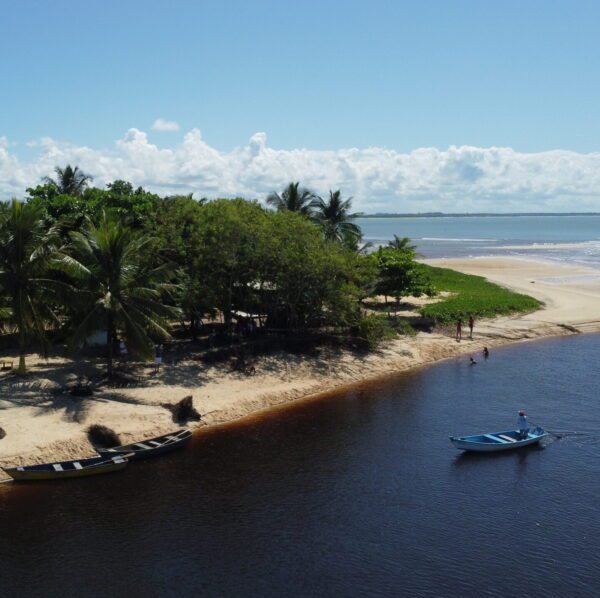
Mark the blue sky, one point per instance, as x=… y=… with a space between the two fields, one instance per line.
x=397 y=76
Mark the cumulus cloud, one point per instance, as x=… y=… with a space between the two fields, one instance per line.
x=457 y=179
x=165 y=126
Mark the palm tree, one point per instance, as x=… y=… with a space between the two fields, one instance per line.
x=69 y=180
x=27 y=251
x=335 y=218
x=402 y=244
x=293 y=198
x=122 y=286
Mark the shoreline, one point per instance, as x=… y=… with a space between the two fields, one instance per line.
x=42 y=426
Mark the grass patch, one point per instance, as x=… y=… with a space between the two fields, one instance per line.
x=473 y=295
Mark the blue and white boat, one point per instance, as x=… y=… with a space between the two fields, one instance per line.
x=498 y=441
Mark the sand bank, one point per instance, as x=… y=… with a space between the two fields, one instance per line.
x=42 y=423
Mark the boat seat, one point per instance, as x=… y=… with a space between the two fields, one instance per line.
x=142 y=445
x=507 y=438
x=77 y=465
x=495 y=438
x=57 y=467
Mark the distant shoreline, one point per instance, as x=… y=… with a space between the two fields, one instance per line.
x=473 y=214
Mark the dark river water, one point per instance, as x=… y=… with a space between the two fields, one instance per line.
x=357 y=494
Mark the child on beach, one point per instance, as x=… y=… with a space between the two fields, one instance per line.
x=471 y=323
x=458 y=330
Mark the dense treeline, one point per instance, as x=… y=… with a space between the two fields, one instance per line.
x=80 y=259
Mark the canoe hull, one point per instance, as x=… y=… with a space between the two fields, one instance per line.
x=31 y=474
x=138 y=451
x=497 y=441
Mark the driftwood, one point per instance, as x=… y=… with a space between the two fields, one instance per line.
x=183 y=411
x=102 y=436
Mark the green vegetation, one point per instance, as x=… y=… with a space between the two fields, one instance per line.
x=472 y=296
x=27 y=250
x=119 y=287
x=76 y=260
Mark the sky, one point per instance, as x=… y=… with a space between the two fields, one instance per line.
x=405 y=106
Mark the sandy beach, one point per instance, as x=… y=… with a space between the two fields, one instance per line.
x=43 y=424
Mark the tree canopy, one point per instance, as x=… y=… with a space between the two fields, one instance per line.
x=129 y=262
x=293 y=199
x=69 y=180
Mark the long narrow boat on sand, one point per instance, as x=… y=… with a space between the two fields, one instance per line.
x=68 y=469
x=150 y=448
x=498 y=441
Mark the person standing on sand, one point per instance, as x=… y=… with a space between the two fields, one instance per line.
x=471 y=324
x=158 y=358
x=523 y=425
x=458 y=330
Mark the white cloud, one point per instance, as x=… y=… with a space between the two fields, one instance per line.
x=458 y=179
x=165 y=126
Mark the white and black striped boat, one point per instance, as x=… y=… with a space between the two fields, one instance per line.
x=151 y=447
x=69 y=469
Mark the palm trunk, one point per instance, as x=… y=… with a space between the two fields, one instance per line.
x=110 y=335
x=22 y=367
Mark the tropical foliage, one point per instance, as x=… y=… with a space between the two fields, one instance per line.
x=121 y=287
x=129 y=263
x=27 y=251
x=335 y=218
x=293 y=199
x=400 y=275
x=403 y=244
x=69 y=180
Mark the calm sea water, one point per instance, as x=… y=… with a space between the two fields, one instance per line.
x=562 y=238
x=360 y=494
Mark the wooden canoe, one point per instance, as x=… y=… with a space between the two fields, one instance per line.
x=68 y=469
x=498 y=441
x=151 y=447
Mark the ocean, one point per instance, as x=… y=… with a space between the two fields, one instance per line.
x=571 y=239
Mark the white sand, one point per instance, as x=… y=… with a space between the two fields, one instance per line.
x=571 y=293
x=42 y=425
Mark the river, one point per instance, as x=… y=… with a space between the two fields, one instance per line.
x=356 y=494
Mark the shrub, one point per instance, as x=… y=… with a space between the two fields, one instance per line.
x=184 y=410
x=403 y=327
x=373 y=329
x=102 y=436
